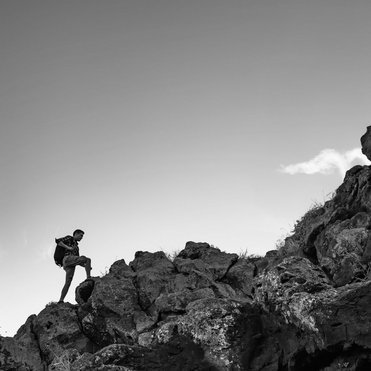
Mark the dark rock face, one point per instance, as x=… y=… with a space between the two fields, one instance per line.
x=305 y=306
x=22 y=351
x=57 y=328
x=366 y=143
x=214 y=261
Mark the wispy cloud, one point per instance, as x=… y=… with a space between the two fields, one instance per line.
x=47 y=245
x=46 y=252
x=327 y=162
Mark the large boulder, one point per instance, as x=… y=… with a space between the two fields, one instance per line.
x=208 y=323
x=353 y=195
x=177 y=302
x=366 y=143
x=240 y=277
x=340 y=248
x=57 y=328
x=181 y=354
x=334 y=235
x=289 y=289
x=326 y=325
x=209 y=258
x=109 y=310
x=108 y=315
x=154 y=275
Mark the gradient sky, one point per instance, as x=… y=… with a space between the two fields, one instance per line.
x=149 y=123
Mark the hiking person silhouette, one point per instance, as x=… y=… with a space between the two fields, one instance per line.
x=72 y=258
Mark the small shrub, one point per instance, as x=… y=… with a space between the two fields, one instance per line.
x=292 y=243
x=243 y=254
x=172 y=255
x=61 y=362
x=301 y=225
x=105 y=272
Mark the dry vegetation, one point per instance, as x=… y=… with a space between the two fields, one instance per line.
x=295 y=241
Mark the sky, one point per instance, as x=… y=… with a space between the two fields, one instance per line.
x=152 y=123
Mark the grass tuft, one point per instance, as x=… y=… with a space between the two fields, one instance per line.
x=295 y=241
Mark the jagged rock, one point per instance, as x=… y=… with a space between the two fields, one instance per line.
x=188 y=266
x=57 y=328
x=21 y=352
x=285 y=315
x=145 y=260
x=84 y=290
x=289 y=288
x=233 y=335
x=207 y=322
x=177 y=302
x=196 y=280
x=354 y=194
x=366 y=143
x=335 y=235
x=154 y=273
x=179 y=355
x=240 y=277
x=111 y=314
x=340 y=249
x=331 y=320
x=366 y=256
x=105 y=359
x=344 y=316
x=120 y=269
x=215 y=261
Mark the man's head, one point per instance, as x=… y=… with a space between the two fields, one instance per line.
x=78 y=234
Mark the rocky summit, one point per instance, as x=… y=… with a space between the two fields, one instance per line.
x=304 y=306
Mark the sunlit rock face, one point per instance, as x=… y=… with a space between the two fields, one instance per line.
x=304 y=306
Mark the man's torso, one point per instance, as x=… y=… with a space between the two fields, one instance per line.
x=71 y=242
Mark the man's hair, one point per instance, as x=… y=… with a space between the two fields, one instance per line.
x=78 y=231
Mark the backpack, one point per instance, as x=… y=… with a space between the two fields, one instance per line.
x=59 y=255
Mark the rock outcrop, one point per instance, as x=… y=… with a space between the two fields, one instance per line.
x=304 y=306
x=366 y=143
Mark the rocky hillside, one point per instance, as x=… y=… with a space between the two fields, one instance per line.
x=305 y=306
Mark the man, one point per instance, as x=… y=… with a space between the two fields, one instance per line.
x=72 y=258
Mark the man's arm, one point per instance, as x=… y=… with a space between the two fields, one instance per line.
x=60 y=243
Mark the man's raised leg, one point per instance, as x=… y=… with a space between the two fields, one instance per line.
x=88 y=267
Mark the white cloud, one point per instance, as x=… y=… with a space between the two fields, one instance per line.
x=327 y=162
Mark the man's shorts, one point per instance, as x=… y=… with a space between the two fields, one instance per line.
x=70 y=261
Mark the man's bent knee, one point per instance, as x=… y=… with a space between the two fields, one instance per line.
x=84 y=259
x=87 y=262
